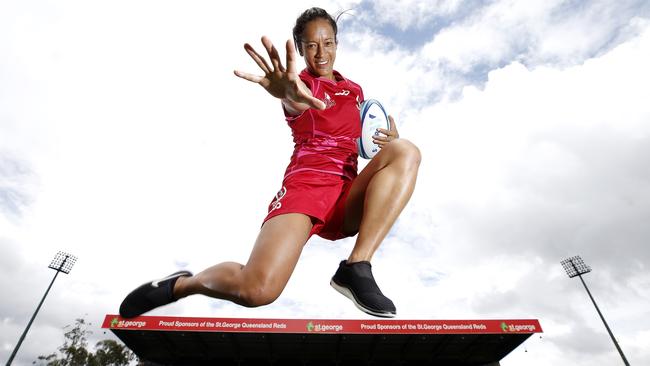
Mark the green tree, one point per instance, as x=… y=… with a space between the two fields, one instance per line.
x=75 y=352
x=110 y=352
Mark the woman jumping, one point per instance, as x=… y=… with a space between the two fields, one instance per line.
x=321 y=191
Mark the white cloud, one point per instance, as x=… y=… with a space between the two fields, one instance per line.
x=534 y=32
x=405 y=14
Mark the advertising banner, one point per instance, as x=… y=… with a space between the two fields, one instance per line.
x=331 y=326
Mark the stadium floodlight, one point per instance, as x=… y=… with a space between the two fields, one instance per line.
x=575 y=266
x=62 y=262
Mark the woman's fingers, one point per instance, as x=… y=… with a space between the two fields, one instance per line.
x=273 y=54
x=278 y=81
x=291 y=57
x=380 y=140
x=277 y=62
x=303 y=95
x=262 y=63
x=315 y=103
x=385 y=136
x=393 y=126
x=259 y=60
x=249 y=77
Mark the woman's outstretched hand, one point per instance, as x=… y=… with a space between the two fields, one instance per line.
x=281 y=82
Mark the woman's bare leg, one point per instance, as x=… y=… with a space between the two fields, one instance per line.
x=379 y=194
x=377 y=197
x=262 y=279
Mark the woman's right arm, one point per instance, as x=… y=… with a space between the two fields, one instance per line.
x=281 y=82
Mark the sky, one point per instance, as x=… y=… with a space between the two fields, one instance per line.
x=126 y=140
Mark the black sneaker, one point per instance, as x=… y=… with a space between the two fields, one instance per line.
x=355 y=281
x=150 y=295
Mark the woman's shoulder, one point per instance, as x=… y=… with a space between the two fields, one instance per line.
x=343 y=79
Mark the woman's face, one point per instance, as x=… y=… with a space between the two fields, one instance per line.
x=319 y=48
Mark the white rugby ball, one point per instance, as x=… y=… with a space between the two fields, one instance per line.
x=373 y=116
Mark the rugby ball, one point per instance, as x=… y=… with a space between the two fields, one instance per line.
x=373 y=116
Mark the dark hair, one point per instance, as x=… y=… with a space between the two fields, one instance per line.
x=306 y=17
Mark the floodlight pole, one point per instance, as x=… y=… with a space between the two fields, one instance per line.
x=611 y=335
x=22 y=337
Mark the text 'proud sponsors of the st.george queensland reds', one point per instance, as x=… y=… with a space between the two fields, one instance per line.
x=222 y=324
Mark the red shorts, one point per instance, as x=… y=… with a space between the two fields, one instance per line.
x=319 y=195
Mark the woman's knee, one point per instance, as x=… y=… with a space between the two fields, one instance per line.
x=405 y=152
x=257 y=294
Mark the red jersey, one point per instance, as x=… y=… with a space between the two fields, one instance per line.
x=326 y=141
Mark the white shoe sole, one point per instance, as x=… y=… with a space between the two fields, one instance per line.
x=347 y=293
